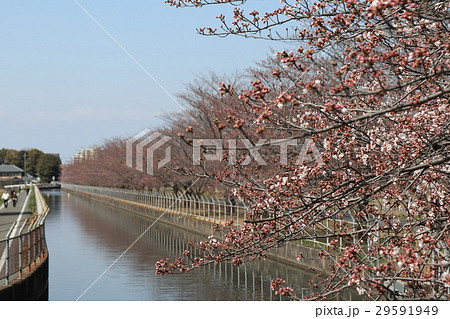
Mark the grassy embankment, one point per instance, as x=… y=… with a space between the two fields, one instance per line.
x=32 y=202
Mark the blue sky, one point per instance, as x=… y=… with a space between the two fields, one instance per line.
x=65 y=85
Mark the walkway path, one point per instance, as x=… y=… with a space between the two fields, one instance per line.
x=11 y=214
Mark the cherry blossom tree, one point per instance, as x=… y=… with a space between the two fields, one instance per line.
x=212 y=123
x=368 y=81
x=106 y=167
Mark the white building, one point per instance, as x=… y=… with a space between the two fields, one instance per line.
x=83 y=154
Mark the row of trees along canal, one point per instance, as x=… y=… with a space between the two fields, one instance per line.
x=368 y=83
x=34 y=161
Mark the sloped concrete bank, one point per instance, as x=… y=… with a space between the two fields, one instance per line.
x=203 y=226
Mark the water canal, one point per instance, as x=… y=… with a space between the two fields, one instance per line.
x=85 y=237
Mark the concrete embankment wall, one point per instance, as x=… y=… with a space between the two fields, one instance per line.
x=203 y=226
x=33 y=287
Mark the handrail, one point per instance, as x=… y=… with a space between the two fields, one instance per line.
x=21 y=252
x=42 y=207
x=11 y=229
x=215 y=210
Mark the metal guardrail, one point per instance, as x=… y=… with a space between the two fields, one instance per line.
x=18 y=254
x=42 y=207
x=215 y=210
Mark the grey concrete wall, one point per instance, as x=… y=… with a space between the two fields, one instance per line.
x=285 y=254
x=33 y=287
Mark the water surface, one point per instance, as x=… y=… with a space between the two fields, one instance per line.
x=86 y=238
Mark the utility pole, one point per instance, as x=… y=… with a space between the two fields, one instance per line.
x=25 y=165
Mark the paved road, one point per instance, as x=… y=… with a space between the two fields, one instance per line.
x=12 y=214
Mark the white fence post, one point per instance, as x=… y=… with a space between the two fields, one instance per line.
x=219 y=212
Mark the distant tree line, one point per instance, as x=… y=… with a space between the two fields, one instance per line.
x=34 y=161
x=106 y=167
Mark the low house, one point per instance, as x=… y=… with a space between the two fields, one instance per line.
x=11 y=172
